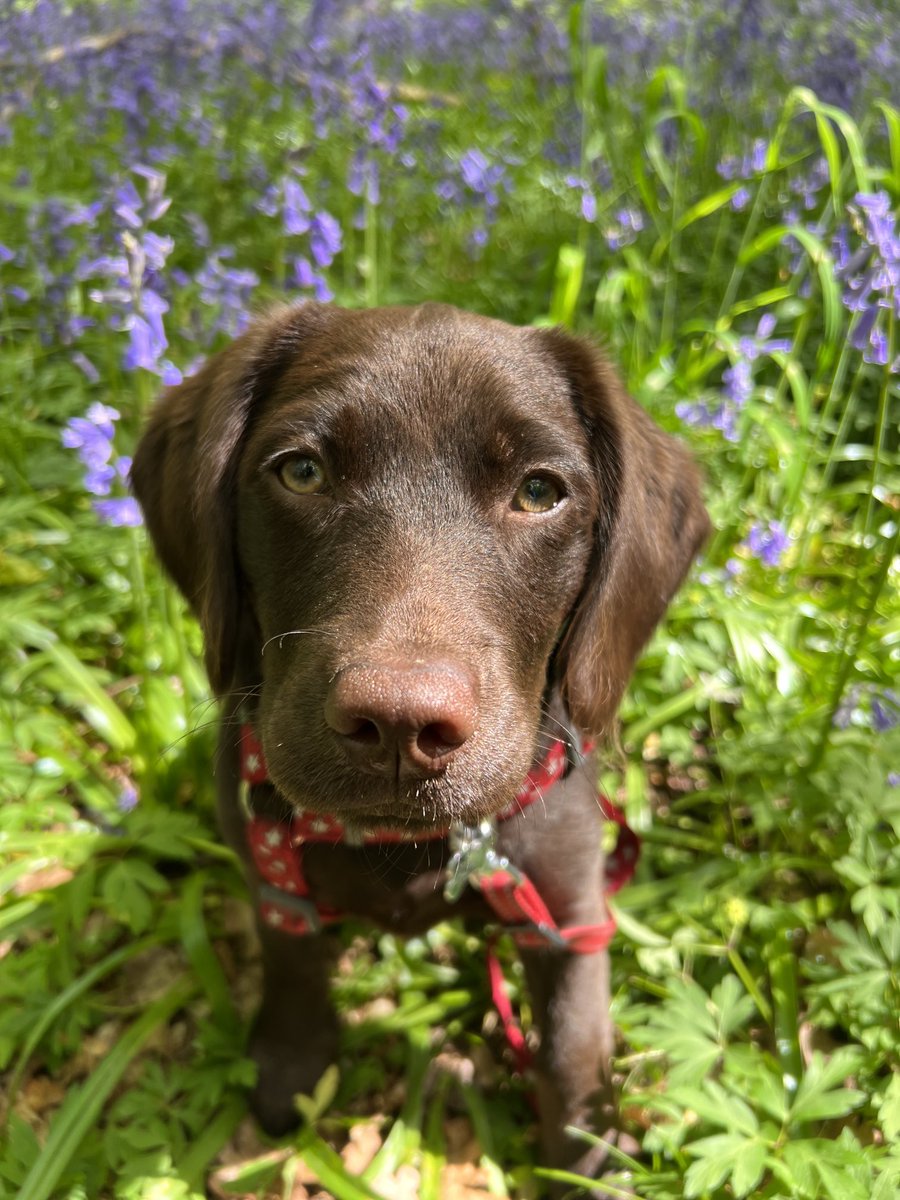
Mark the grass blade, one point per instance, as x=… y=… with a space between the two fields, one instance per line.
x=82 y=1106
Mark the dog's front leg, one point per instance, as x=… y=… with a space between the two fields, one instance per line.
x=570 y=997
x=295 y=1034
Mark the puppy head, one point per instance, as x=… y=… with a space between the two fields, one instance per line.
x=400 y=513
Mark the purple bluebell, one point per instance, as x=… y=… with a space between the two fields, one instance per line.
x=87 y=368
x=119 y=510
x=768 y=542
x=738 y=381
x=322 y=291
x=304 y=275
x=870 y=272
x=227 y=291
x=128 y=798
x=324 y=239
x=296 y=207
x=626 y=224
x=169 y=373
x=752 y=346
x=141 y=350
x=885 y=711
x=91 y=436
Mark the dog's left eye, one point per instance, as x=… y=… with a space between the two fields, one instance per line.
x=537 y=494
x=302 y=475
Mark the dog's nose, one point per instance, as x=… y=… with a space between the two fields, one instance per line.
x=406 y=718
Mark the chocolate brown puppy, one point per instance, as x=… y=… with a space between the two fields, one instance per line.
x=425 y=549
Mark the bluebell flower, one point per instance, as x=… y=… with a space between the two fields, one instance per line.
x=119 y=510
x=626 y=224
x=324 y=239
x=885 y=711
x=227 y=291
x=91 y=442
x=296 y=207
x=141 y=351
x=738 y=381
x=304 y=275
x=752 y=346
x=128 y=797
x=91 y=436
x=870 y=273
x=87 y=368
x=767 y=542
x=446 y=189
x=170 y=374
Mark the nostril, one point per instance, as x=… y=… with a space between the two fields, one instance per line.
x=440 y=738
x=361 y=731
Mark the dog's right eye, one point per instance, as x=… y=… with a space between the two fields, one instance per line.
x=302 y=475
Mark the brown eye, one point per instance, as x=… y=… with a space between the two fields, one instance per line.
x=301 y=475
x=537 y=494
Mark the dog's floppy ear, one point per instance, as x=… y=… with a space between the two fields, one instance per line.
x=651 y=525
x=185 y=466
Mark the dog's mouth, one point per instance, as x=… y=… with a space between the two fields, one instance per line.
x=368 y=803
x=465 y=790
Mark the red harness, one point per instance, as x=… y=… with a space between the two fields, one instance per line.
x=286 y=903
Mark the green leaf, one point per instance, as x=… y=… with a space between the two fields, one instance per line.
x=567 y=286
x=312 y=1108
x=749 y=1164
x=203 y=959
x=889 y=1110
x=126 y=889
x=82 y=1105
x=716 y=1160
x=816 y=1098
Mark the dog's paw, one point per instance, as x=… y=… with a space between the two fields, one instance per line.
x=286 y=1070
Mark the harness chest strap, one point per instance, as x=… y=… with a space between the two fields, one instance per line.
x=286 y=903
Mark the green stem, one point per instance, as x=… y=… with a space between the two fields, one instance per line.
x=881 y=424
x=850 y=649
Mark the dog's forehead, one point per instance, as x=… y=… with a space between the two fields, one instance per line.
x=427 y=372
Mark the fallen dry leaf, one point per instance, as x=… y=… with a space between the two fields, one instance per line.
x=462 y=1144
x=364 y=1142
x=464 y=1181
x=402 y=1185
x=51 y=876
x=40 y=1093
